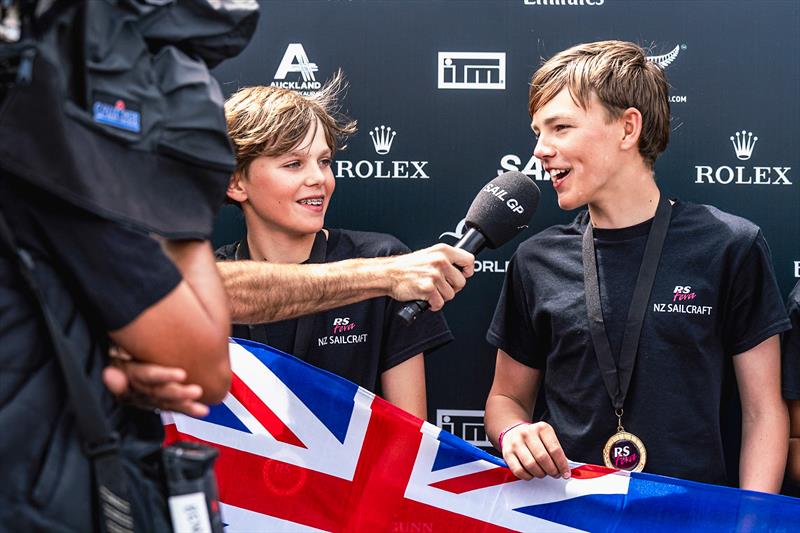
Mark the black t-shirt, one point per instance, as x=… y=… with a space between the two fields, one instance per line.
x=359 y=341
x=715 y=296
x=791 y=349
x=97 y=276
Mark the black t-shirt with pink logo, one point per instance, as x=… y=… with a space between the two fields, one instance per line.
x=714 y=296
x=359 y=341
x=791 y=349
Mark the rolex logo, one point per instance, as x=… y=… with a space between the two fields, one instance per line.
x=743 y=144
x=382 y=138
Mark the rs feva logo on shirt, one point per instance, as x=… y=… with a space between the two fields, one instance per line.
x=339 y=328
x=682 y=294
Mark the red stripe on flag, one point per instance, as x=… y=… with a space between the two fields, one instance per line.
x=478 y=480
x=384 y=468
x=263 y=414
x=591 y=471
x=275 y=488
x=373 y=501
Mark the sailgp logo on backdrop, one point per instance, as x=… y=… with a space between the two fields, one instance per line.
x=464 y=423
x=472 y=70
x=382 y=139
x=484 y=266
x=744 y=143
x=296 y=72
x=533 y=167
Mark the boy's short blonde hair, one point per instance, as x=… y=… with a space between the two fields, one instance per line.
x=271 y=120
x=619 y=73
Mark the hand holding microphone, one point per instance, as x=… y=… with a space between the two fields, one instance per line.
x=501 y=210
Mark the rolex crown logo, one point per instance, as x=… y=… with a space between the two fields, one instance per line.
x=743 y=144
x=382 y=139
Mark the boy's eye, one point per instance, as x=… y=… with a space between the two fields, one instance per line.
x=326 y=162
x=561 y=127
x=292 y=164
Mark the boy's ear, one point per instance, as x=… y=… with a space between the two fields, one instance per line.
x=236 y=190
x=632 y=128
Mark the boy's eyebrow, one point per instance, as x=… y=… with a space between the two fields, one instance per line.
x=551 y=119
x=302 y=153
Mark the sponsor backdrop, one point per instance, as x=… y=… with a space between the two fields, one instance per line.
x=439 y=90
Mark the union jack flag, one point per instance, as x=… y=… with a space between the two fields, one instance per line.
x=304 y=450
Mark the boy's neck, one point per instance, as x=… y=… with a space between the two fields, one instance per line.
x=267 y=244
x=625 y=202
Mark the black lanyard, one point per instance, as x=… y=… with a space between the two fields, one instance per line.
x=304 y=324
x=617 y=380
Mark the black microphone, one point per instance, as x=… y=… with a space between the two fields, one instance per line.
x=501 y=210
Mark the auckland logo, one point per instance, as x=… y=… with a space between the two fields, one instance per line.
x=382 y=139
x=296 y=72
x=744 y=143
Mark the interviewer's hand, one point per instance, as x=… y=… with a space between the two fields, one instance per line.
x=433 y=274
x=151 y=385
x=533 y=450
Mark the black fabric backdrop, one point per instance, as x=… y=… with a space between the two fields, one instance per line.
x=735 y=67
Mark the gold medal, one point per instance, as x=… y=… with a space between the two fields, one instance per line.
x=625 y=451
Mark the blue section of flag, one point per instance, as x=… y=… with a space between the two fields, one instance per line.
x=329 y=397
x=220 y=414
x=659 y=504
x=454 y=452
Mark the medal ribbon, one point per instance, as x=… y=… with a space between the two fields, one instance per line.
x=618 y=379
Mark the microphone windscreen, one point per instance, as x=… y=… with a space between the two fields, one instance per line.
x=503 y=207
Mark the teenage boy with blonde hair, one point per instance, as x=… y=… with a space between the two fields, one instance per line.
x=284 y=145
x=628 y=316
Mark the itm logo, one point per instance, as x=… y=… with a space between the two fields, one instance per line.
x=464 y=423
x=343 y=324
x=382 y=138
x=472 y=70
x=744 y=143
x=295 y=61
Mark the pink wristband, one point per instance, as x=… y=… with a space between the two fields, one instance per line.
x=509 y=428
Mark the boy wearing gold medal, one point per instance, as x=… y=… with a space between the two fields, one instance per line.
x=628 y=317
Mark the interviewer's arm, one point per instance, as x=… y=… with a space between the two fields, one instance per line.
x=793 y=462
x=188 y=328
x=765 y=423
x=264 y=292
